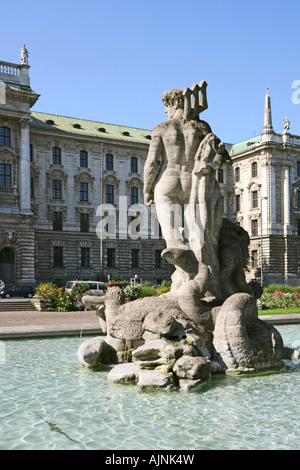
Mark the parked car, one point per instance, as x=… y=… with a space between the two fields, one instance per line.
x=18 y=291
x=116 y=284
x=94 y=286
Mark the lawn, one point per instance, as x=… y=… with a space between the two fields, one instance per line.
x=278 y=311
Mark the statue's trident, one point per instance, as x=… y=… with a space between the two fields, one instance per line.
x=194 y=108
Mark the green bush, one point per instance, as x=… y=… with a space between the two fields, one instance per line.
x=133 y=292
x=281 y=288
x=55 y=299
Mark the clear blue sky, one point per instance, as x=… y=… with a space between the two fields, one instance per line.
x=110 y=61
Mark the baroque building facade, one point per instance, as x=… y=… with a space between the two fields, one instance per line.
x=56 y=173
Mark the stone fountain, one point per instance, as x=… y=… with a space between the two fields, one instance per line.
x=208 y=323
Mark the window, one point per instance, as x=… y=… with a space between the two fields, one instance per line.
x=133 y=196
x=237 y=174
x=4 y=137
x=254 y=201
x=133 y=165
x=254 y=169
x=298 y=200
x=58 y=256
x=56 y=189
x=31 y=152
x=109 y=193
x=5 y=175
x=254 y=259
x=56 y=156
x=83 y=159
x=135 y=258
x=299 y=227
x=85 y=257
x=109 y=162
x=83 y=191
x=31 y=187
x=298 y=169
x=84 y=223
x=57 y=221
x=220 y=175
x=254 y=227
x=238 y=202
x=158 y=259
x=111 y=257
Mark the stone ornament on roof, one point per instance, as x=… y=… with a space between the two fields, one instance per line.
x=24 y=55
x=286 y=124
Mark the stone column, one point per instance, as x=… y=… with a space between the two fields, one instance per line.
x=24 y=167
x=286 y=201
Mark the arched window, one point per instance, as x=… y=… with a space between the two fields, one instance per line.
x=4 y=137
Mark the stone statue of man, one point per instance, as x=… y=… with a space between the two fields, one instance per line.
x=24 y=55
x=168 y=170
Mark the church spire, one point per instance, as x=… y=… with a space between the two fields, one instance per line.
x=268 y=113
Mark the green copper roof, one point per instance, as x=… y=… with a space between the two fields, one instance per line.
x=16 y=86
x=245 y=145
x=83 y=127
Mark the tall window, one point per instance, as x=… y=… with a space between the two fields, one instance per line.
x=298 y=200
x=5 y=175
x=4 y=137
x=31 y=152
x=237 y=174
x=84 y=223
x=133 y=196
x=254 y=196
x=83 y=159
x=56 y=189
x=254 y=258
x=254 y=227
x=298 y=169
x=58 y=256
x=111 y=257
x=133 y=165
x=56 y=156
x=109 y=193
x=83 y=191
x=254 y=169
x=158 y=259
x=31 y=187
x=238 y=202
x=85 y=257
x=57 y=221
x=135 y=258
x=109 y=162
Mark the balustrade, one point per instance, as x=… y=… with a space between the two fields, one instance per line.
x=10 y=69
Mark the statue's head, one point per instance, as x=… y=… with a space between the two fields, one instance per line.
x=173 y=101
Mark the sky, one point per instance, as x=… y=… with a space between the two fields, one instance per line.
x=110 y=61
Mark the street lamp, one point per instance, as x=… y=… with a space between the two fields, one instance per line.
x=261 y=241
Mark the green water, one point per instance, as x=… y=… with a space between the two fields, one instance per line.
x=49 y=402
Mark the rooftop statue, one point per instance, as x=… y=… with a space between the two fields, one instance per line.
x=24 y=55
x=208 y=322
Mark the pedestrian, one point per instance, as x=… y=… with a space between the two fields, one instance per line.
x=2 y=285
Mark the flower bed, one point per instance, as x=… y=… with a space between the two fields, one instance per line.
x=280 y=299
